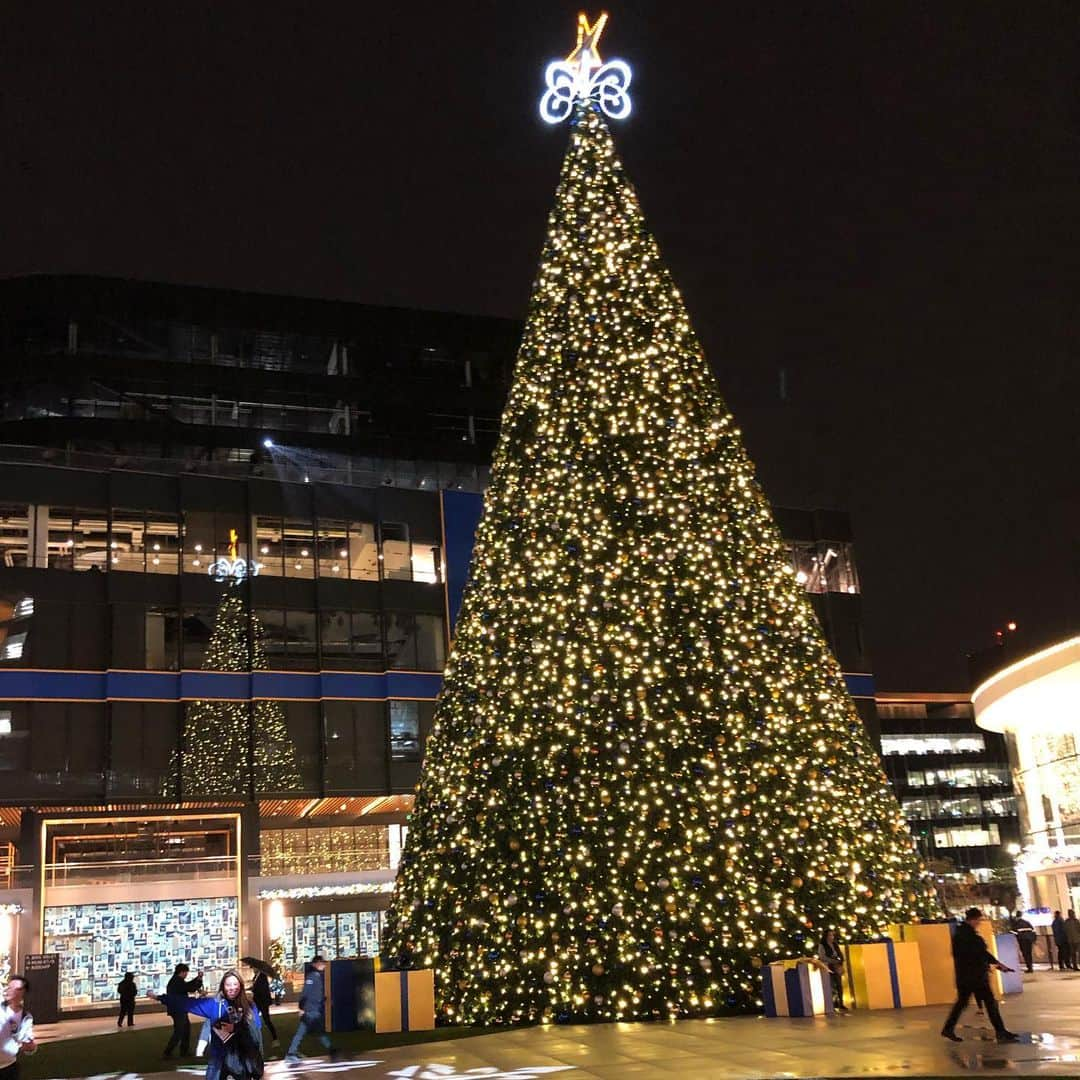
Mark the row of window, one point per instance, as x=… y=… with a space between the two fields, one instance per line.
x=138 y=637
x=215 y=543
x=928 y=808
x=967 y=836
x=960 y=777
x=947 y=743
x=210 y=749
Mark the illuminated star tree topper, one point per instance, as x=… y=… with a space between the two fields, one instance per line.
x=583 y=76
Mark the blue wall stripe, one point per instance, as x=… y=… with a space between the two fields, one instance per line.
x=461 y=516
x=16 y=684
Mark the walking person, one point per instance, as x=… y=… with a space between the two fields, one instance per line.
x=1072 y=935
x=973 y=961
x=261 y=995
x=829 y=954
x=312 y=1012
x=235 y=1029
x=16 y=1027
x=1061 y=941
x=179 y=986
x=128 y=991
x=1025 y=938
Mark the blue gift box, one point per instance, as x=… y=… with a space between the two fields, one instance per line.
x=796 y=988
x=1008 y=952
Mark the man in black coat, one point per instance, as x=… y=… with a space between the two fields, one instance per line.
x=180 y=986
x=973 y=961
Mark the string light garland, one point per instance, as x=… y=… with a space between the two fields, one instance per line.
x=646 y=777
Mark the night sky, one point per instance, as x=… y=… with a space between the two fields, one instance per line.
x=881 y=201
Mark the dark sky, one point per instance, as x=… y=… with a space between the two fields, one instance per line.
x=881 y=199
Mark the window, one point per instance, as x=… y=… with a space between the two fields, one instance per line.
x=414 y=642
x=162 y=543
x=5 y=721
x=15 y=534
x=404 y=731
x=363 y=551
x=332 y=545
x=270 y=652
x=16 y=614
x=824 y=566
x=932 y=744
x=301 y=647
x=298 y=548
x=394 y=551
x=268 y=548
x=351 y=641
x=342 y=849
x=198 y=625
x=904 y=711
x=143 y=747
x=286 y=746
x=211 y=535
x=426 y=561
x=356 y=750
x=162 y=634
x=961 y=777
x=967 y=836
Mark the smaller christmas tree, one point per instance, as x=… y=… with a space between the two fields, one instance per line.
x=221 y=738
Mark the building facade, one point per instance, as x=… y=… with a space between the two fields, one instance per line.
x=953 y=782
x=234 y=532
x=1033 y=704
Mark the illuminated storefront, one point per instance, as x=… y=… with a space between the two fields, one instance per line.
x=1035 y=703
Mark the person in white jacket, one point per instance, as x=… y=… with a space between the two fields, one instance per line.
x=16 y=1027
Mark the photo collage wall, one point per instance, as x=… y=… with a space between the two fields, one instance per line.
x=98 y=943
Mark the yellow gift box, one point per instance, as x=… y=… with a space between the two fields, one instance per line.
x=405 y=1000
x=935 y=957
x=869 y=976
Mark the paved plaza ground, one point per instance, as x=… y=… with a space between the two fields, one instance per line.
x=887 y=1043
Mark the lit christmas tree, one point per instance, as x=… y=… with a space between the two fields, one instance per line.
x=215 y=748
x=646 y=775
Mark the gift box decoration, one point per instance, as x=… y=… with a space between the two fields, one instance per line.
x=796 y=988
x=1008 y=952
x=405 y=1000
x=935 y=958
x=870 y=975
x=350 y=992
x=985 y=930
x=908 y=987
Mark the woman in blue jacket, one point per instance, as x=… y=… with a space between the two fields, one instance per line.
x=235 y=1029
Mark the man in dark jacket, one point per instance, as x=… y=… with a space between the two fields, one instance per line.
x=180 y=987
x=1061 y=940
x=312 y=1012
x=1025 y=938
x=973 y=961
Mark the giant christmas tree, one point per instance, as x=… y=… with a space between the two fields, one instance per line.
x=646 y=775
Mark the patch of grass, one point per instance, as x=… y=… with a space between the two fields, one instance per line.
x=138 y=1050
